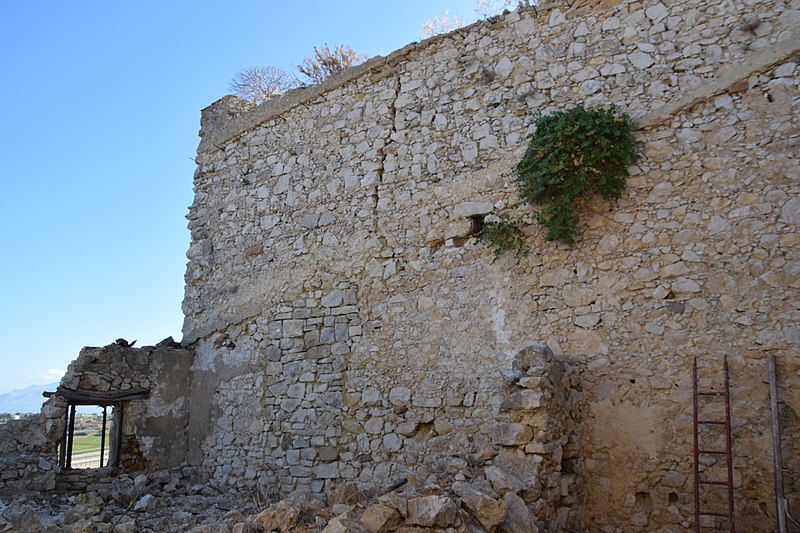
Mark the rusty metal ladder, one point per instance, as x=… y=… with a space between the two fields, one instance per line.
x=699 y=451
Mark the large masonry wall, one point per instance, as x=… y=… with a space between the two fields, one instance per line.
x=346 y=326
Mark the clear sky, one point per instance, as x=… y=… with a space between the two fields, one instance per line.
x=101 y=107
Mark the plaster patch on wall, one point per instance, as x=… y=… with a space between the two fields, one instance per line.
x=499 y=325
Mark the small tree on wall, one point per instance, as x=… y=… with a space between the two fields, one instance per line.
x=443 y=24
x=572 y=155
x=325 y=62
x=258 y=84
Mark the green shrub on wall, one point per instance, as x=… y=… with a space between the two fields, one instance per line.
x=503 y=235
x=572 y=155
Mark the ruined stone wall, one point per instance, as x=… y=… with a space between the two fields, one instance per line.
x=347 y=328
x=154 y=429
x=27 y=459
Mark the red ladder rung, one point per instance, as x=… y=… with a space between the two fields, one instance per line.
x=714 y=452
x=704 y=482
x=713 y=514
x=720 y=422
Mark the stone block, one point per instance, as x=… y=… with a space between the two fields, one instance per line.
x=327 y=336
x=327 y=454
x=519 y=518
x=399 y=396
x=485 y=509
x=673 y=479
x=340 y=348
x=432 y=511
x=326 y=470
x=298 y=390
x=345 y=524
x=392 y=442
x=503 y=481
x=282 y=516
x=370 y=397
x=685 y=285
x=470 y=209
x=442 y=426
x=273 y=353
x=374 y=425
x=420 y=401
x=511 y=434
x=333 y=298
x=378 y=518
x=526 y=400
x=292 y=328
x=341 y=332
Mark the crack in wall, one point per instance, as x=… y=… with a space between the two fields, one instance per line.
x=384 y=154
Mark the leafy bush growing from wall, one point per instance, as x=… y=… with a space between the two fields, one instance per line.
x=572 y=155
x=503 y=235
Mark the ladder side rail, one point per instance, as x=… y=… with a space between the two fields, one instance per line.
x=780 y=502
x=695 y=467
x=731 y=522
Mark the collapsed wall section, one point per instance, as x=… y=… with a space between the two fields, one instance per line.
x=348 y=328
x=152 y=430
x=27 y=459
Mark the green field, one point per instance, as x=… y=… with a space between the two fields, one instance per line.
x=86 y=444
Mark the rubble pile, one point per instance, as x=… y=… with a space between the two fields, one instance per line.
x=464 y=498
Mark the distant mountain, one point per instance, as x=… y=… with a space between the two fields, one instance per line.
x=27 y=400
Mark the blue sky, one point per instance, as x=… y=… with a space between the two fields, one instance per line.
x=101 y=108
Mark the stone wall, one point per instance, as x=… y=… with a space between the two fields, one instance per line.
x=346 y=326
x=27 y=459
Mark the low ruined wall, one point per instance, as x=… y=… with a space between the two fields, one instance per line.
x=346 y=326
x=26 y=458
x=154 y=429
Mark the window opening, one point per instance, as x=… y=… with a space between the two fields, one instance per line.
x=79 y=447
x=70 y=456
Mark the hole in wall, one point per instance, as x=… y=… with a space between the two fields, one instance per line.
x=632 y=380
x=672 y=498
x=568 y=466
x=435 y=245
x=476 y=224
x=750 y=24
x=486 y=75
x=644 y=501
x=424 y=429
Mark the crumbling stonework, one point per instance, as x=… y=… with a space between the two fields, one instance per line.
x=153 y=429
x=371 y=182
x=27 y=458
